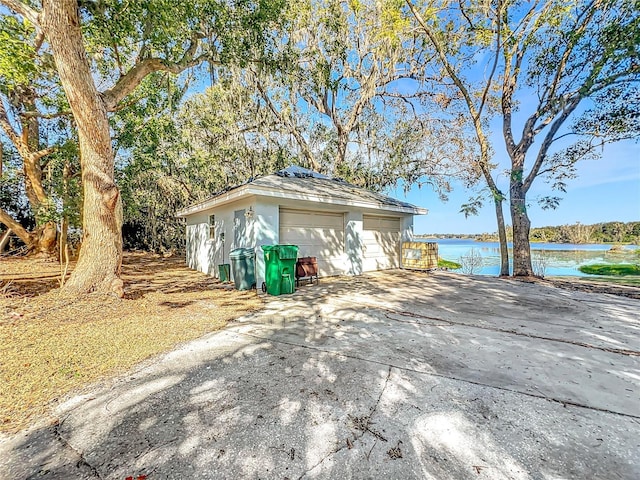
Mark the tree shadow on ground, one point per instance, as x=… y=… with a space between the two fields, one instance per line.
x=355 y=387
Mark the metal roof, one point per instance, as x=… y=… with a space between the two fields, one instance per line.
x=297 y=183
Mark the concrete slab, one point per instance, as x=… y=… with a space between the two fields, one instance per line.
x=393 y=375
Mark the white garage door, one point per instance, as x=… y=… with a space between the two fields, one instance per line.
x=381 y=242
x=318 y=234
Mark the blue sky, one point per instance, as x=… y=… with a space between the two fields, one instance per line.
x=605 y=190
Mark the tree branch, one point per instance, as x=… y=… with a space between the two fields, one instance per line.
x=46 y=116
x=17 y=228
x=285 y=122
x=548 y=140
x=21 y=8
x=129 y=81
x=577 y=32
x=475 y=115
x=496 y=57
x=42 y=153
x=7 y=127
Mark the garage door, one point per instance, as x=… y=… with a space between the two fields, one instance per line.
x=318 y=234
x=381 y=242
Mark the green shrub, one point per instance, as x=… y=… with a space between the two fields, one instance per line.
x=442 y=263
x=620 y=269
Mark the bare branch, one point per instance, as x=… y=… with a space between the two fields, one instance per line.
x=42 y=153
x=17 y=228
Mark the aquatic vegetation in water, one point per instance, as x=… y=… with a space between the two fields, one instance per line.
x=620 y=269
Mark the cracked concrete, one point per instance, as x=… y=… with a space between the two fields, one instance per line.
x=392 y=375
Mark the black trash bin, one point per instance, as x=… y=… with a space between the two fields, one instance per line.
x=243 y=267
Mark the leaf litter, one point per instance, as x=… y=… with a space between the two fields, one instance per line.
x=52 y=345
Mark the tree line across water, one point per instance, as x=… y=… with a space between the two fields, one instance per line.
x=578 y=233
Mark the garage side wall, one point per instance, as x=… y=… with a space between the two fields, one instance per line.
x=201 y=249
x=406 y=224
x=232 y=229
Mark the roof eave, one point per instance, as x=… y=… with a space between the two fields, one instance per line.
x=249 y=189
x=212 y=202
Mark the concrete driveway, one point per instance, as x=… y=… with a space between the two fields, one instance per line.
x=391 y=375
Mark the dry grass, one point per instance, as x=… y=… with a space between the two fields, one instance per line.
x=51 y=346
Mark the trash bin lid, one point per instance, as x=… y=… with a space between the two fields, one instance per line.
x=241 y=253
x=287 y=252
x=269 y=248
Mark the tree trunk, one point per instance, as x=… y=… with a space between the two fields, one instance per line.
x=98 y=267
x=502 y=235
x=521 y=227
x=343 y=142
x=32 y=165
x=17 y=228
x=4 y=241
x=44 y=240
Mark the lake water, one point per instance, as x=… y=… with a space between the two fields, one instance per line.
x=556 y=259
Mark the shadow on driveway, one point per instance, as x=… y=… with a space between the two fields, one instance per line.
x=390 y=375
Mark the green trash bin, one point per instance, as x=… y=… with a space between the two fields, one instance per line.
x=280 y=268
x=243 y=268
x=223 y=272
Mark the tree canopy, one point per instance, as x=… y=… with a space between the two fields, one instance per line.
x=115 y=114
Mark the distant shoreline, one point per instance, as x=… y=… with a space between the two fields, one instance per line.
x=488 y=239
x=607 y=233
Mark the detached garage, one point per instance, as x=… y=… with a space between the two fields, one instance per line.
x=350 y=230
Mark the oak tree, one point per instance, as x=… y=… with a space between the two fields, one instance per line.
x=114 y=45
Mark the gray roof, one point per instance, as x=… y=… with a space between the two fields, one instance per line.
x=295 y=181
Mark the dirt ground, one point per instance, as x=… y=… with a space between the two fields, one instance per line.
x=50 y=346
x=585 y=285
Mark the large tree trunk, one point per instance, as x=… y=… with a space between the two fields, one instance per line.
x=521 y=227
x=98 y=267
x=502 y=235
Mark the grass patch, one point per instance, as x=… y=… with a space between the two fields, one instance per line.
x=619 y=269
x=51 y=346
x=442 y=263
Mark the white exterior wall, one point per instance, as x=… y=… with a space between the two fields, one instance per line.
x=406 y=228
x=267 y=222
x=200 y=249
x=205 y=254
x=353 y=242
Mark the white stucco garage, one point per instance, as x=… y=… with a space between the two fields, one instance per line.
x=349 y=229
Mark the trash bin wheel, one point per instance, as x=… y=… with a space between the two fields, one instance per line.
x=264 y=287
